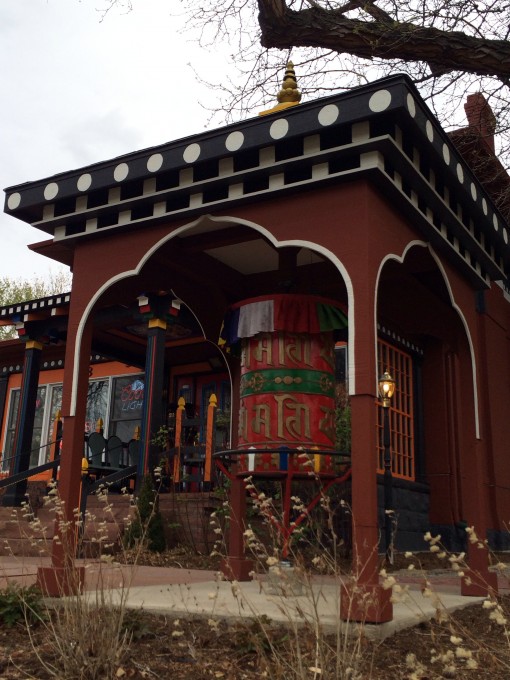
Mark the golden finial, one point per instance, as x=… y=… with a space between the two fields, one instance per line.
x=289 y=91
x=289 y=95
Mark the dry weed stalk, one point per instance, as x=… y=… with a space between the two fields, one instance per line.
x=454 y=651
x=304 y=648
x=88 y=632
x=307 y=649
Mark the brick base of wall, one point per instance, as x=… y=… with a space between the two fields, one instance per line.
x=187 y=519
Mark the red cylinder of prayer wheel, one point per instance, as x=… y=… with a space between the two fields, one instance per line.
x=287 y=399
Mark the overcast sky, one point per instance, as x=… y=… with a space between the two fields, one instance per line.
x=77 y=91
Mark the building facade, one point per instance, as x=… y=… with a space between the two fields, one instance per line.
x=360 y=199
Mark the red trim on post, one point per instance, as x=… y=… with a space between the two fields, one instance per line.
x=236 y=566
x=63 y=577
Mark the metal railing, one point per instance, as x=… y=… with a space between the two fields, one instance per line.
x=10 y=480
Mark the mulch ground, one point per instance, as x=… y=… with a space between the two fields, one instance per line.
x=195 y=650
x=187 y=649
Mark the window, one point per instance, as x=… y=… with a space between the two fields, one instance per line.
x=125 y=394
x=341 y=364
x=11 y=428
x=225 y=397
x=97 y=403
x=185 y=390
x=53 y=405
x=40 y=403
x=400 y=365
x=38 y=451
x=127 y=406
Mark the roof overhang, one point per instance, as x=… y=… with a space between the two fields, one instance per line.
x=383 y=131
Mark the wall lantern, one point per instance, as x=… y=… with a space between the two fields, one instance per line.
x=386 y=389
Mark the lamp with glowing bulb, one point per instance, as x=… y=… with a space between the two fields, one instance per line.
x=386 y=387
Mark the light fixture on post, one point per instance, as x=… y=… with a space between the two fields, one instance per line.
x=386 y=386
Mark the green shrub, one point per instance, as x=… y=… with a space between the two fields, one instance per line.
x=20 y=603
x=148 y=525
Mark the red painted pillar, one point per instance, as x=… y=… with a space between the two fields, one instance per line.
x=363 y=598
x=478 y=580
x=63 y=577
x=236 y=565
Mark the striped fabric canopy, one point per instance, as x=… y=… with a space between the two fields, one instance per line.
x=285 y=312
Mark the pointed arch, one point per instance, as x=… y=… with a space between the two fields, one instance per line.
x=201 y=222
x=401 y=258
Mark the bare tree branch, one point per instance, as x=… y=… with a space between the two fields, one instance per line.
x=449 y=48
x=330 y=29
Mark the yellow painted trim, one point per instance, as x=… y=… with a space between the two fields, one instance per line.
x=157 y=323
x=33 y=344
x=278 y=107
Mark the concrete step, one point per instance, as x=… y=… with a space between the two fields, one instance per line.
x=23 y=534
x=14 y=514
x=24 y=547
x=14 y=529
x=115 y=509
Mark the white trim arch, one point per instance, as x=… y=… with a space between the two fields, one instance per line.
x=215 y=220
x=435 y=257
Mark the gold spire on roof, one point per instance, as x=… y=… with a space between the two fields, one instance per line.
x=289 y=95
x=289 y=92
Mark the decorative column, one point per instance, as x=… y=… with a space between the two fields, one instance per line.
x=4 y=383
x=63 y=576
x=363 y=598
x=15 y=494
x=152 y=416
x=157 y=311
x=479 y=581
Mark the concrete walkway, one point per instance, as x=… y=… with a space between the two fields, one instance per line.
x=185 y=592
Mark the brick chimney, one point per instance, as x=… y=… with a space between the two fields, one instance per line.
x=481 y=119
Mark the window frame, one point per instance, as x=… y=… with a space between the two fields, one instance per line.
x=402 y=412
x=112 y=422
x=47 y=419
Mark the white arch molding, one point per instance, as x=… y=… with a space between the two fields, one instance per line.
x=204 y=220
x=435 y=257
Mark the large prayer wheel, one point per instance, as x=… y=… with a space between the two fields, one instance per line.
x=287 y=389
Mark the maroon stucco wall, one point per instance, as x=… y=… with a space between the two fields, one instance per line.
x=360 y=227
